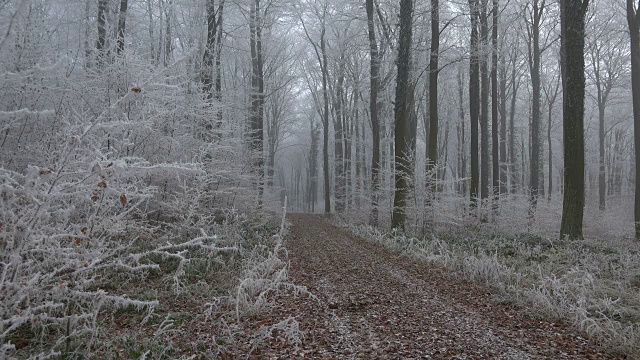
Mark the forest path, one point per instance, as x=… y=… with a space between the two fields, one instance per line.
x=373 y=304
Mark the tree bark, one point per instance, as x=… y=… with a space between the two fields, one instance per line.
x=209 y=50
x=257 y=94
x=503 y=123
x=474 y=101
x=534 y=68
x=484 y=102
x=515 y=84
x=102 y=31
x=402 y=136
x=432 y=148
x=325 y=121
x=572 y=15
x=374 y=68
x=633 y=20
x=122 y=18
x=462 y=160
x=494 y=106
x=338 y=143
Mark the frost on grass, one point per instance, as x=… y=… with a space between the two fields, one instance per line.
x=591 y=283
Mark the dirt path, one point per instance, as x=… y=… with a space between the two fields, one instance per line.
x=373 y=304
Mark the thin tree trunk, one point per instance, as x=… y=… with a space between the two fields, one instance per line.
x=373 y=111
x=515 y=84
x=462 y=160
x=474 y=100
x=325 y=121
x=339 y=150
x=534 y=67
x=503 y=124
x=494 y=106
x=484 y=102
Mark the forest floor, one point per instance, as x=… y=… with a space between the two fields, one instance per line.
x=372 y=304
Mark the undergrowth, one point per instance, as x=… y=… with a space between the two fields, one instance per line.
x=594 y=284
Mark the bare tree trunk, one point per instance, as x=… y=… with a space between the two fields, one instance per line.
x=432 y=148
x=257 y=94
x=102 y=31
x=357 y=191
x=551 y=94
x=373 y=112
x=168 y=37
x=474 y=100
x=534 y=68
x=122 y=18
x=339 y=150
x=207 y=57
x=484 y=102
x=325 y=122
x=218 y=85
x=151 y=37
x=494 y=106
x=402 y=136
x=515 y=84
x=572 y=15
x=462 y=160
x=503 y=123
x=633 y=20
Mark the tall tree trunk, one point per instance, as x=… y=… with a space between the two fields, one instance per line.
x=373 y=111
x=572 y=15
x=357 y=192
x=534 y=68
x=633 y=19
x=484 y=102
x=325 y=121
x=338 y=143
x=122 y=19
x=257 y=94
x=503 y=123
x=551 y=95
x=474 y=100
x=218 y=86
x=550 y=153
x=402 y=136
x=462 y=160
x=602 y=186
x=494 y=106
x=515 y=84
x=168 y=37
x=432 y=148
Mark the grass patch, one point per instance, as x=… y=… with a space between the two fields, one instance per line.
x=593 y=284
